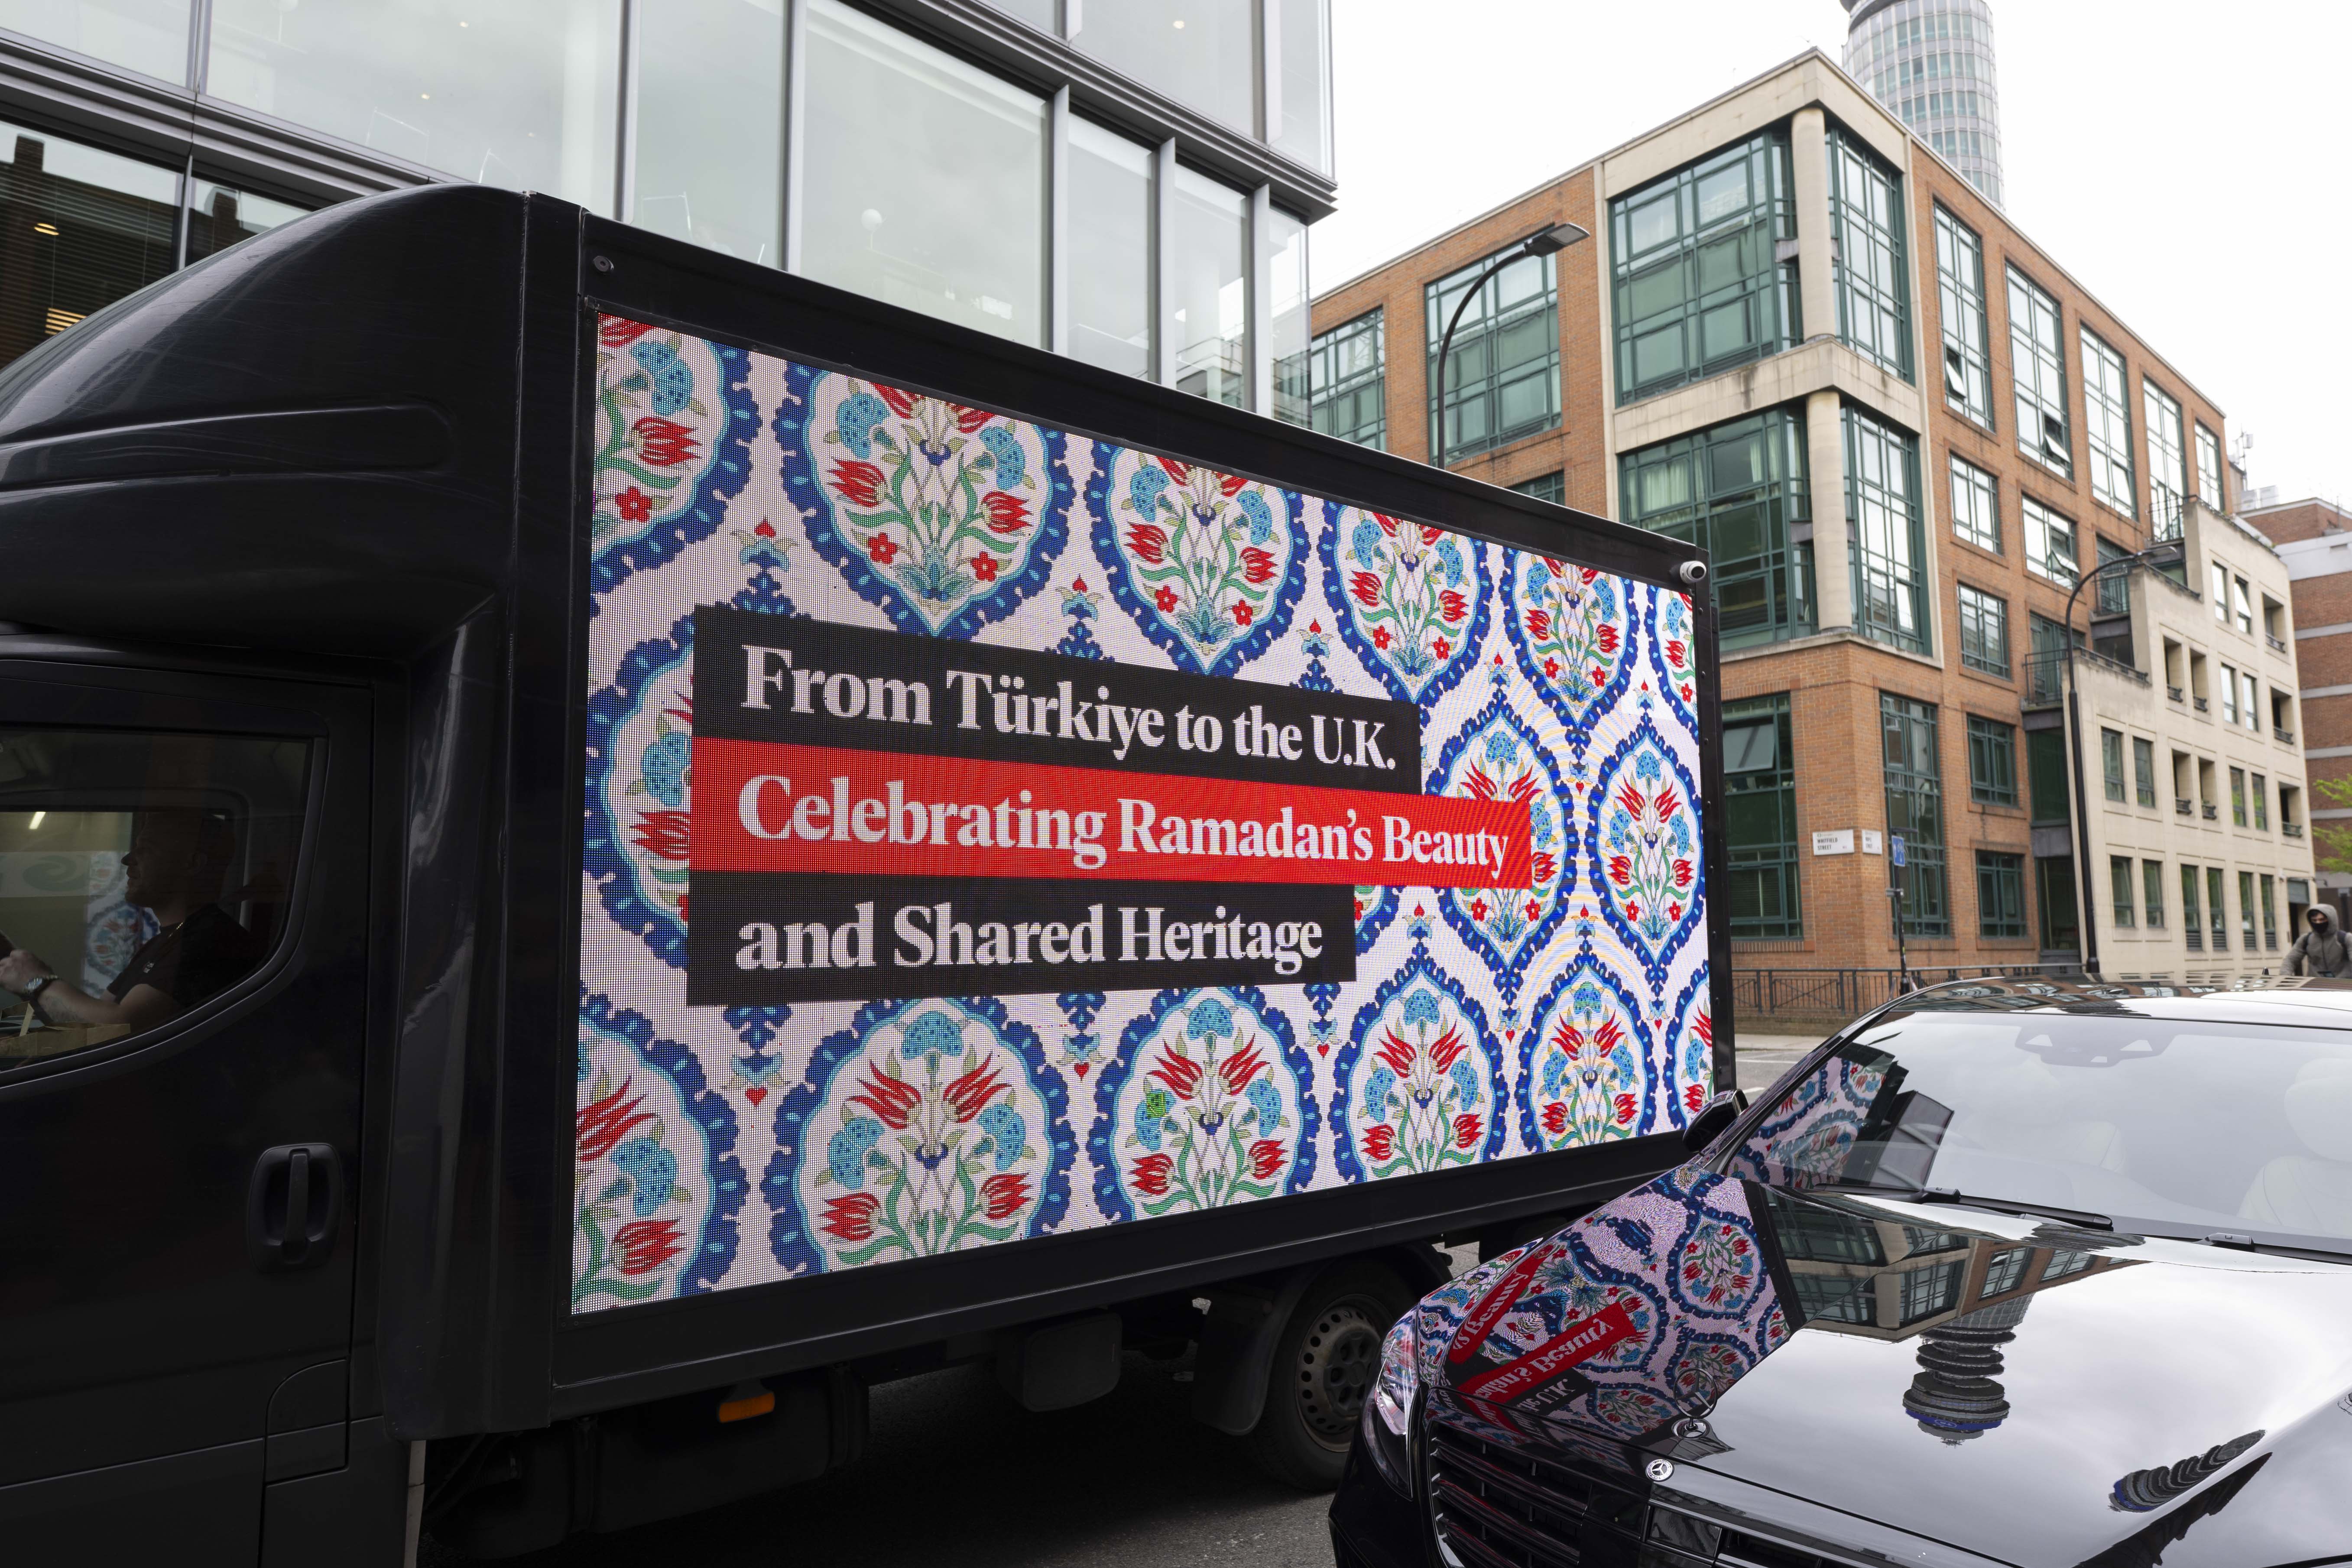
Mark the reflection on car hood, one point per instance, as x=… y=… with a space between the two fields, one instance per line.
x=2016 y=1388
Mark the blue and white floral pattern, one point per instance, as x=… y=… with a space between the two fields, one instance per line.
x=1482 y=1023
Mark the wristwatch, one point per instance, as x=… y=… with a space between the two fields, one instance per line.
x=40 y=983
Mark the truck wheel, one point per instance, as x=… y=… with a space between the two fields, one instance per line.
x=1322 y=1372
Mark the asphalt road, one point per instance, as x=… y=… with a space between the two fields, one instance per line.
x=955 y=1472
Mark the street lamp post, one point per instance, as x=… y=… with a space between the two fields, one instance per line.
x=2166 y=552
x=1546 y=241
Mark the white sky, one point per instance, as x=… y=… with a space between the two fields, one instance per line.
x=2189 y=165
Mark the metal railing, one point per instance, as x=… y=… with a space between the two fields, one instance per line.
x=2292 y=829
x=2278 y=645
x=2203 y=706
x=2285 y=735
x=1847 y=992
x=2176 y=693
x=2213 y=812
x=2185 y=807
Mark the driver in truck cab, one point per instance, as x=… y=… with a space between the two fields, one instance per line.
x=174 y=867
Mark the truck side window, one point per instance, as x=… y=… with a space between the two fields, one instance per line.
x=141 y=875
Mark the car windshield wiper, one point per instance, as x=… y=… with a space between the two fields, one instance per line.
x=2083 y=1218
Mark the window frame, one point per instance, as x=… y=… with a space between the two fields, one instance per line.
x=2043 y=392
x=1783 y=568
x=1783 y=857
x=2210 y=443
x=2107 y=426
x=1984 y=644
x=1483 y=327
x=2151 y=873
x=1983 y=490
x=1961 y=299
x=2121 y=881
x=2167 y=503
x=1881 y=519
x=1869 y=259
x=1325 y=388
x=2111 y=765
x=2001 y=896
x=1993 y=763
x=1911 y=727
x=2042 y=524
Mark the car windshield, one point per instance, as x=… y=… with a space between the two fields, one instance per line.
x=2155 y=1123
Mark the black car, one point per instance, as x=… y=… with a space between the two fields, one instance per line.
x=2008 y=1273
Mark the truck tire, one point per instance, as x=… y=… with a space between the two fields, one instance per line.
x=1323 y=1368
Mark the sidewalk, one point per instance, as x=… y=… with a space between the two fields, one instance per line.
x=1762 y=1058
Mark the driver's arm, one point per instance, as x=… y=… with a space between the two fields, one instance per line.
x=143 y=1008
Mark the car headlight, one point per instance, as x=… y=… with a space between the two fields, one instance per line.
x=1388 y=1414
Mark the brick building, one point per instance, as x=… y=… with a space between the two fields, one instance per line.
x=1905 y=433
x=2314 y=540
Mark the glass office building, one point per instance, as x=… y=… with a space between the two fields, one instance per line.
x=1127 y=182
x=1931 y=63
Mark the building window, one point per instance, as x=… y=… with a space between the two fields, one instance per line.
x=1698 y=285
x=2119 y=876
x=2249 y=712
x=1993 y=763
x=1298 y=113
x=2037 y=356
x=1761 y=818
x=1551 y=487
x=2045 y=758
x=2062 y=1264
x=2050 y=546
x=1975 y=506
x=1928 y=1291
x=83 y=228
x=1208 y=254
x=1984 y=631
x=1109 y=266
x=2209 y=468
x=1288 y=318
x=2053 y=892
x=2001 y=894
x=1867 y=262
x=2237 y=798
x=1502 y=376
x=1914 y=809
x=219 y=217
x=2262 y=792
x=1960 y=292
x=2107 y=407
x=704 y=73
x=526 y=97
x=1735 y=490
x=2240 y=602
x=2151 y=885
x=2246 y=911
x=2004 y=1272
x=1205 y=60
x=1350 y=379
x=2220 y=576
x=2270 y=912
x=2192 y=932
x=894 y=203
x=2115 y=587
x=1890 y=550
x=2217 y=917
x=2168 y=464
x=2045 y=661
x=2144 y=770
x=2229 y=694
x=2111 y=762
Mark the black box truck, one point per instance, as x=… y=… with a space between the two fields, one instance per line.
x=1027 y=862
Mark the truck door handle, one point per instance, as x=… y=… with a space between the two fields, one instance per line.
x=294 y=1207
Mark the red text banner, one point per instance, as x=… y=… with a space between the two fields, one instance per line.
x=761 y=806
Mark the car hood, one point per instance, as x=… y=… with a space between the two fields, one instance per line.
x=2012 y=1387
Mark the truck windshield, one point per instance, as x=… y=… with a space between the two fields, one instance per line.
x=141 y=875
x=2162 y=1123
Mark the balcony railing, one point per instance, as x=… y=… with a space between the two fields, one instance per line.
x=2285 y=735
x=2292 y=829
x=2175 y=694
x=2278 y=645
x=2185 y=807
x=2202 y=705
x=2213 y=812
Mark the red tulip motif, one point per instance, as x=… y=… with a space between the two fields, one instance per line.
x=1005 y=1195
x=858 y=483
x=645 y=1245
x=604 y=1122
x=850 y=1218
